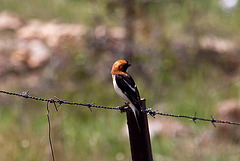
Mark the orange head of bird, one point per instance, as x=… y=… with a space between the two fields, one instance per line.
x=120 y=66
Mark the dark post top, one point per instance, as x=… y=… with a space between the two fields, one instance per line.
x=139 y=139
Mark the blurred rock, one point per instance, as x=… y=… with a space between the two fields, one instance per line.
x=117 y=33
x=107 y=39
x=10 y=21
x=221 y=52
x=6 y=47
x=218 y=45
x=229 y=110
x=55 y=35
x=100 y=32
x=3 y=65
x=33 y=53
x=31 y=31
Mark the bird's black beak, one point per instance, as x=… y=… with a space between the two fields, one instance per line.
x=128 y=64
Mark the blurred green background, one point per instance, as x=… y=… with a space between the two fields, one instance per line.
x=185 y=59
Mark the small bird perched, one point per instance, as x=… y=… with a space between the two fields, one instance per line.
x=125 y=87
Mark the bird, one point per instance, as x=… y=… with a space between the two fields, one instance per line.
x=126 y=88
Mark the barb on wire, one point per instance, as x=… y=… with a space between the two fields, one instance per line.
x=213 y=120
x=89 y=106
x=25 y=94
x=194 y=118
x=60 y=103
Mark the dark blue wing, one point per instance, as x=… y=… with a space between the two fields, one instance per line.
x=128 y=87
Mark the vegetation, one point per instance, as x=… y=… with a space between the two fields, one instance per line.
x=169 y=74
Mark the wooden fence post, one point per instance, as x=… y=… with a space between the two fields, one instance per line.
x=139 y=141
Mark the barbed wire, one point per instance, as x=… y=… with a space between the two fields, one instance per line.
x=122 y=108
x=193 y=118
x=58 y=102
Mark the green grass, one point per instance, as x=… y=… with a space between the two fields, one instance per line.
x=78 y=133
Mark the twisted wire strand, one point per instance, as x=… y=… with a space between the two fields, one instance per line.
x=122 y=108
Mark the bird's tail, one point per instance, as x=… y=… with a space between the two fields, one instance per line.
x=136 y=114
